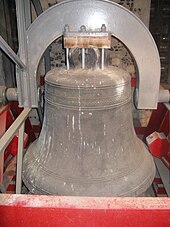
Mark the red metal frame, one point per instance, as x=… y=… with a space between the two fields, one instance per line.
x=3 y=119
x=8 y=170
x=159 y=146
x=38 y=210
x=158 y=187
x=28 y=127
x=159 y=121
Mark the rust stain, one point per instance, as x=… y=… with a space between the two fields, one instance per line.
x=87 y=42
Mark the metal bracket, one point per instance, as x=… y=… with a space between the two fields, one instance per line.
x=11 y=54
x=87 y=38
x=123 y=24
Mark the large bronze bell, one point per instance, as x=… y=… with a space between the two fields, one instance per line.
x=88 y=146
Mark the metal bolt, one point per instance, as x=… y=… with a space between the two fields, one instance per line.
x=66 y=28
x=103 y=28
x=83 y=28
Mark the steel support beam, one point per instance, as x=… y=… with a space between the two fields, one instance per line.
x=20 y=158
x=27 y=10
x=164 y=173
x=7 y=137
x=22 y=77
x=11 y=54
x=38 y=9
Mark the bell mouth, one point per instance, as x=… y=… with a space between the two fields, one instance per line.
x=134 y=182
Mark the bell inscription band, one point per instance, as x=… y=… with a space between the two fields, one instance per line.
x=88 y=146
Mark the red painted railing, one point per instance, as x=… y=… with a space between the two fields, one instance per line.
x=38 y=210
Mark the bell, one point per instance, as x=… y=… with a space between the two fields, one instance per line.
x=88 y=146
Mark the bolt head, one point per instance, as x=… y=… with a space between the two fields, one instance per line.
x=66 y=28
x=83 y=28
x=103 y=28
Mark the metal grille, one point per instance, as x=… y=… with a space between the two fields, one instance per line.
x=160 y=28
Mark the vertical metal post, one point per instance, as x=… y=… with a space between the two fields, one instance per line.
x=67 y=59
x=27 y=10
x=83 y=58
x=102 y=59
x=38 y=9
x=11 y=54
x=23 y=80
x=1 y=167
x=20 y=158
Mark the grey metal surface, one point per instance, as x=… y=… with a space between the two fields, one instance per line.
x=164 y=173
x=7 y=137
x=23 y=77
x=27 y=10
x=38 y=9
x=3 y=94
x=20 y=158
x=11 y=54
x=86 y=34
x=37 y=6
x=88 y=146
x=8 y=94
x=102 y=58
x=118 y=55
x=122 y=23
x=83 y=58
x=11 y=94
x=164 y=96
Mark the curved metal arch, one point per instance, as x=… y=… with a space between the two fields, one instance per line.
x=121 y=22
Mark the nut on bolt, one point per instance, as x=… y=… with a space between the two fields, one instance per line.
x=66 y=28
x=103 y=28
x=83 y=28
x=3 y=98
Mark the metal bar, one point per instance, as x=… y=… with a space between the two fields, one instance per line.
x=102 y=59
x=38 y=9
x=11 y=54
x=20 y=158
x=27 y=10
x=7 y=137
x=164 y=96
x=47 y=60
x=83 y=58
x=3 y=119
x=11 y=94
x=9 y=174
x=21 y=22
x=1 y=167
x=67 y=59
x=23 y=78
x=37 y=6
x=164 y=173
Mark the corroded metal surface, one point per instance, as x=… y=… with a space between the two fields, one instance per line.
x=87 y=146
